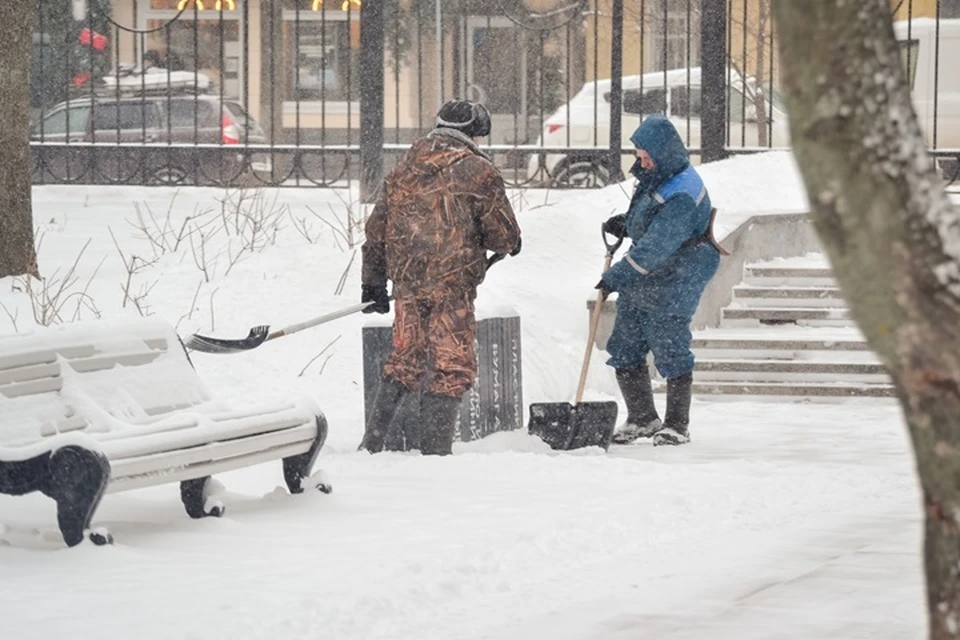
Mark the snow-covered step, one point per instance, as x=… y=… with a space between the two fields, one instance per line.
x=787 y=296
x=794 y=389
x=777 y=345
x=790 y=370
x=788 y=332
x=786 y=342
x=826 y=316
x=812 y=270
x=761 y=275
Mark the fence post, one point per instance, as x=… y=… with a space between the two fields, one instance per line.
x=616 y=90
x=271 y=65
x=713 y=69
x=371 y=65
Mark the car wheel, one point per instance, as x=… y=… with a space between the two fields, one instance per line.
x=168 y=176
x=582 y=174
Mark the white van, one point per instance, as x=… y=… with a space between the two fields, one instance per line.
x=675 y=93
x=935 y=88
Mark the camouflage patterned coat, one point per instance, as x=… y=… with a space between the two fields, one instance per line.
x=438 y=212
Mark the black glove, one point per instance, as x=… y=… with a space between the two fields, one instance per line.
x=602 y=286
x=378 y=296
x=516 y=249
x=616 y=225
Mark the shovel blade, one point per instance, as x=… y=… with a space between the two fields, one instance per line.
x=565 y=426
x=595 y=424
x=206 y=344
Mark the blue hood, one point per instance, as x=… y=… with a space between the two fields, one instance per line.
x=657 y=136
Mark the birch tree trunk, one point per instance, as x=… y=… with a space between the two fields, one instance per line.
x=892 y=237
x=17 y=252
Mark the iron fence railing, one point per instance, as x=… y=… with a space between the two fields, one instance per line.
x=317 y=93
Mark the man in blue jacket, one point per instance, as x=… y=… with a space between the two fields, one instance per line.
x=659 y=282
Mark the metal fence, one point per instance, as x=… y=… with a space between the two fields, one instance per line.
x=314 y=92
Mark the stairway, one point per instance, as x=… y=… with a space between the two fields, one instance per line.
x=788 y=332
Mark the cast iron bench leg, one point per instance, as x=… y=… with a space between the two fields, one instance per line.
x=74 y=477
x=298 y=468
x=195 y=502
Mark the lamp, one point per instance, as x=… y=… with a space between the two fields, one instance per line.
x=539 y=6
x=231 y=5
x=344 y=6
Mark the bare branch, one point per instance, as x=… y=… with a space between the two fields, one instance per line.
x=314 y=358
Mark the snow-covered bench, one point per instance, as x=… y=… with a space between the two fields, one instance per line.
x=124 y=398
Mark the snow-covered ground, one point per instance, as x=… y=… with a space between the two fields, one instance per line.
x=780 y=520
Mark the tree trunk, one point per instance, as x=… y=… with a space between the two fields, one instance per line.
x=17 y=253
x=892 y=237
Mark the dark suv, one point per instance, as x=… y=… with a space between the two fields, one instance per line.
x=147 y=139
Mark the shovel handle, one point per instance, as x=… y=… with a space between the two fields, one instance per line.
x=595 y=318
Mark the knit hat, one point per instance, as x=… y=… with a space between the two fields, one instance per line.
x=470 y=118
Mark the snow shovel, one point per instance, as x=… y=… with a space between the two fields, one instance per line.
x=261 y=333
x=566 y=426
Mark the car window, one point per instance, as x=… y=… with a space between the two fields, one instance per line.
x=650 y=101
x=188 y=112
x=685 y=102
x=735 y=105
x=237 y=110
x=57 y=123
x=113 y=116
x=242 y=118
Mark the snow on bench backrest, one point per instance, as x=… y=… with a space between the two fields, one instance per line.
x=122 y=372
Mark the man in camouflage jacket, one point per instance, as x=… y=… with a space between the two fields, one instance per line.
x=437 y=214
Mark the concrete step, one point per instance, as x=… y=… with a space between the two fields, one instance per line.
x=830 y=316
x=788 y=333
x=788 y=296
x=785 y=342
x=762 y=275
x=790 y=371
x=791 y=389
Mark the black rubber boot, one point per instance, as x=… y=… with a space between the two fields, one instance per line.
x=390 y=395
x=438 y=416
x=642 y=418
x=676 y=426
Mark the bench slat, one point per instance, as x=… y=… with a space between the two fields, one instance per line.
x=101 y=362
x=167 y=422
x=158 y=443
x=29 y=372
x=73 y=423
x=208 y=460
x=32 y=387
x=10 y=361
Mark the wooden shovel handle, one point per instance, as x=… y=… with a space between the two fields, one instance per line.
x=594 y=322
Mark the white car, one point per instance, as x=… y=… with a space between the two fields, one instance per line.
x=585 y=122
x=934 y=88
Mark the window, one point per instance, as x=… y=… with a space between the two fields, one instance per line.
x=670 y=33
x=204 y=38
x=909 y=52
x=737 y=108
x=650 y=101
x=186 y=113
x=117 y=116
x=685 y=102
x=949 y=8
x=321 y=41
x=72 y=121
